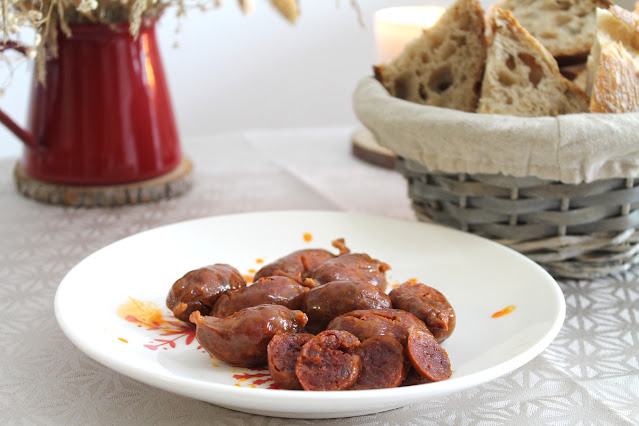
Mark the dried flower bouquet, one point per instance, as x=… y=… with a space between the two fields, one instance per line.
x=47 y=17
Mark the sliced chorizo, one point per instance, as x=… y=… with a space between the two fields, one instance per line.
x=427 y=304
x=242 y=338
x=198 y=290
x=327 y=362
x=383 y=363
x=330 y=300
x=265 y=291
x=412 y=379
x=429 y=360
x=378 y=322
x=358 y=267
x=300 y=263
x=283 y=351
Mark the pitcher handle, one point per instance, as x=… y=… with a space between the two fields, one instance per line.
x=21 y=133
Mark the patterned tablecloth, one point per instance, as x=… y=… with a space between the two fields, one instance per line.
x=588 y=375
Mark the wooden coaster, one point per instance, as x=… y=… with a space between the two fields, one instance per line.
x=162 y=187
x=365 y=147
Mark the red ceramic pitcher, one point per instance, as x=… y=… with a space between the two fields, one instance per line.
x=104 y=114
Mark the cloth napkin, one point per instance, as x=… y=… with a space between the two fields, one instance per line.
x=572 y=148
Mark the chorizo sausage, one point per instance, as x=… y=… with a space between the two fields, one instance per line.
x=300 y=263
x=412 y=379
x=429 y=360
x=383 y=363
x=242 y=338
x=283 y=351
x=330 y=300
x=378 y=322
x=198 y=290
x=326 y=362
x=427 y=304
x=358 y=267
x=265 y=291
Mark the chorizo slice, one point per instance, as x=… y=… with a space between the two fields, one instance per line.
x=198 y=290
x=427 y=304
x=351 y=267
x=283 y=351
x=383 y=363
x=242 y=338
x=333 y=299
x=265 y=291
x=378 y=322
x=412 y=379
x=300 y=263
x=326 y=362
x=429 y=360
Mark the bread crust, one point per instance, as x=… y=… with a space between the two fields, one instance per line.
x=616 y=87
x=613 y=66
x=630 y=34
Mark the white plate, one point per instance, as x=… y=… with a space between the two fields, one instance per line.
x=479 y=278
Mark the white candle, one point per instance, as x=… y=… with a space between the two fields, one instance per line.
x=396 y=26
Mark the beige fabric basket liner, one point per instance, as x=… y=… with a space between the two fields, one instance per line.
x=572 y=148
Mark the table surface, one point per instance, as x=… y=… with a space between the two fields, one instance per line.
x=588 y=375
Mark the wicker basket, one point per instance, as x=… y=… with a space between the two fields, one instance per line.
x=577 y=231
x=563 y=190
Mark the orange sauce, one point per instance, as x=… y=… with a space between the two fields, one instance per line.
x=252 y=271
x=308 y=237
x=412 y=280
x=507 y=310
x=147 y=312
x=123 y=340
x=259 y=260
x=248 y=278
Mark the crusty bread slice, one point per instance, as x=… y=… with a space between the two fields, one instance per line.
x=565 y=27
x=613 y=24
x=617 y=23
x=444 y=66
x=613 y=65
x=616 y=87
x=522 y=78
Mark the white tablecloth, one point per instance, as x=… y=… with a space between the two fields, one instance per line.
x=588 y=375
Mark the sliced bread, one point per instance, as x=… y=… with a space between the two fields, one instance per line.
x=613 y=65
x=565 y=27
x=616 y=87
x=522 y=78
x=444 y=66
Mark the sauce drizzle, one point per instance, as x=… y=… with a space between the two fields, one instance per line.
x=147 y=312
x=308 y=237
x=507 y=310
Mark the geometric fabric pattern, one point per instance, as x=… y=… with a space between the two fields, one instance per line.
x=588 y=375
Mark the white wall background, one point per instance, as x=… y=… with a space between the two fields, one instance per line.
x=244 y=72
